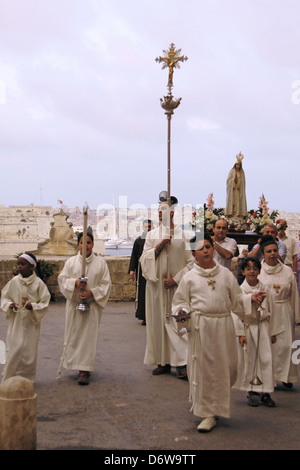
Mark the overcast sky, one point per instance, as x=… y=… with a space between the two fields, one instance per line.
x=80 y=93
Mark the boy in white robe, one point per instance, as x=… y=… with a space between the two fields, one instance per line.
x=283 y=287
x=210 y=292
x=24 y=299
x=81 y=327
x=256 y=334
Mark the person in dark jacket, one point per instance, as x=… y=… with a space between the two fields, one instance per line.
x=135 y=271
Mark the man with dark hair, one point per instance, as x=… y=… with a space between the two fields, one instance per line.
x=271 y=230
x=292 y=250
x=135 y=271
x=225 y=248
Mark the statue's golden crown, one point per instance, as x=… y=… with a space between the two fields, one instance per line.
x=240 y=157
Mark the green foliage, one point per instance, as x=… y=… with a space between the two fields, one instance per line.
x=43 y=269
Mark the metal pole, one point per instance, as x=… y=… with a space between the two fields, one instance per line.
x=171 y=60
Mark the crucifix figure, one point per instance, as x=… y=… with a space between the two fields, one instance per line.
x=171 y=59
x=276 y=287
x=211 y=283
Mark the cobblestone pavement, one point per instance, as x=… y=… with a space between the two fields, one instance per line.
x=125 y=407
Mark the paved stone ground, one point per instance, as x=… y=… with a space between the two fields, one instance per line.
x=125 y=407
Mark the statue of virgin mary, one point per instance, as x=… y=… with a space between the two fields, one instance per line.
x=236 y=204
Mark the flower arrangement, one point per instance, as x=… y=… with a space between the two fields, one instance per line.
x=205 y=217
x=210 y=201
x=281 y=224
x=257 y=219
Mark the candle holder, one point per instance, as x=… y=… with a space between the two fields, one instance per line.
x=182 y=318
x=83 y=306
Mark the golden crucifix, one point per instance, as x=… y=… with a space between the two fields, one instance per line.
x=211 y=283
x=276 y=287
x=171 y=59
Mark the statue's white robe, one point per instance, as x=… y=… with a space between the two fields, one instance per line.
x=24 y=325
x=164 y=344
x=212 y=362
x=81 y=328
x=236 y=204
x=258 y=329
x=283 y=287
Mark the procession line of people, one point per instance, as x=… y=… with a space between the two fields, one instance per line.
x=235 y=332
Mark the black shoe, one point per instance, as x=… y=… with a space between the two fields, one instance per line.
x=267 y=400
x=84 y=377
x=253 y=398
x=181 y=373
x=162 y=370
x=287 y=384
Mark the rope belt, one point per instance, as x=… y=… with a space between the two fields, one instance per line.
x=213 y=315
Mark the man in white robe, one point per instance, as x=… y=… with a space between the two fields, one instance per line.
x=165 y=347
x=25 y=300
x=81 y=327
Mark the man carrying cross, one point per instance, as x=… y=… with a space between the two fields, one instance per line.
x=166 y=243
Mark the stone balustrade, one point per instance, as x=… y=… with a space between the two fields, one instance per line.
x=123 y=288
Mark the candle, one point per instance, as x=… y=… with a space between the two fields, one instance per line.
x=84 y=240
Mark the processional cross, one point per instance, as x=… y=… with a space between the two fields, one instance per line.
x=171 y=59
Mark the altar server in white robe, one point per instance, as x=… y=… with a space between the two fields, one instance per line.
x=24 y=299
x=256 y=333
x=283 y=286
x=165 y=347
x=210 y=292
x=81 y=327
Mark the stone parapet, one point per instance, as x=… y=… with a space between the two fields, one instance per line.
x=123 y=288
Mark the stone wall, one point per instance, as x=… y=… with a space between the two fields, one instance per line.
x=10 y=248
x=123 y=288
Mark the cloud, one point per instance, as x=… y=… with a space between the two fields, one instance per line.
x=199 y=124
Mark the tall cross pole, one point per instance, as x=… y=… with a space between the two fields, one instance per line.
x=170 y=60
